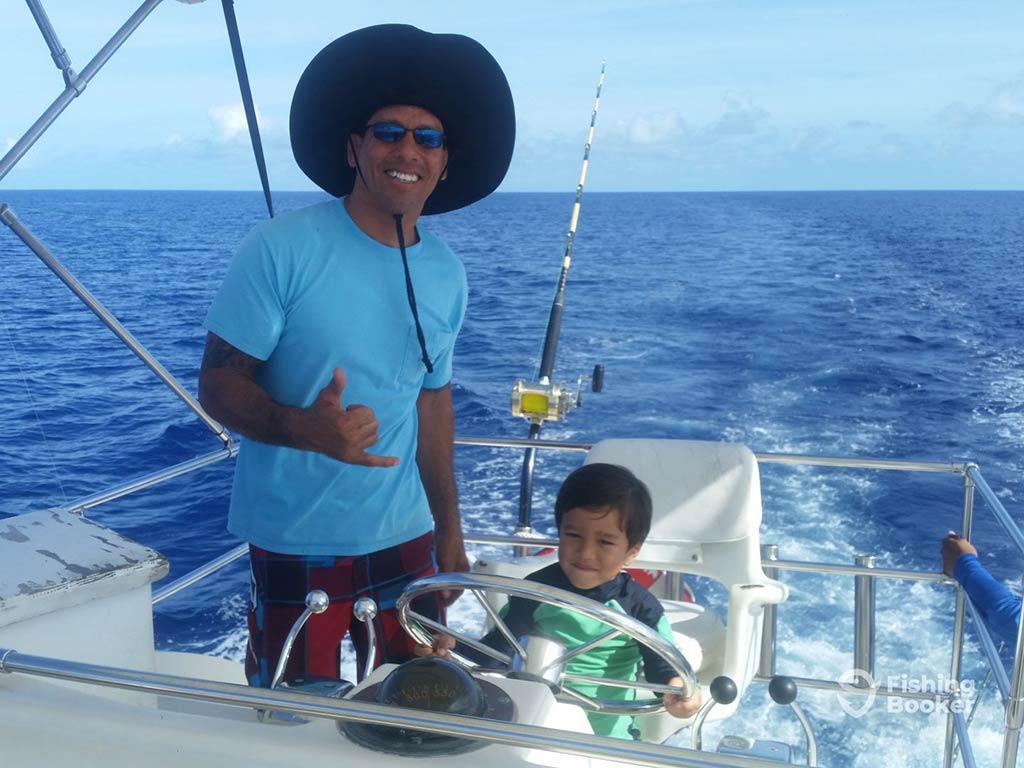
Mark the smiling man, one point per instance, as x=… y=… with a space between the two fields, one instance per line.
x=329 y=345
x=399 y=161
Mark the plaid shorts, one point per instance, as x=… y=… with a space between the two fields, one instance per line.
x=279 y=586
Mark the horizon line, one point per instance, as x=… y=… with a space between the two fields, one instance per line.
x=538 y=191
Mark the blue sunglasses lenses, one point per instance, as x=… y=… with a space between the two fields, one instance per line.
x=431 y=138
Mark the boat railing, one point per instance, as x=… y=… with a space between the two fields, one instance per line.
x=306 y=705
x=864 y=571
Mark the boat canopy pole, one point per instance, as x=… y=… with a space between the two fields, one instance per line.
x=8 y=217
x=247 y=102
x=60 y=56
x=547 y=358
x=77 y=84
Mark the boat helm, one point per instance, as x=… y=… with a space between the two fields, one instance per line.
x=436 y=685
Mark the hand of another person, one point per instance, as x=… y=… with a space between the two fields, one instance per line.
x=343 y=432
x=680 y=707
x=442 y=647
x=953 y=547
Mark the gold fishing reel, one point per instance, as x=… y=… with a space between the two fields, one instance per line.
x=542 y=401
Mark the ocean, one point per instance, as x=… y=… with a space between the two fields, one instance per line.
x=865 y=324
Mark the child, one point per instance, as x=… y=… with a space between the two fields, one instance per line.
x=603 y=514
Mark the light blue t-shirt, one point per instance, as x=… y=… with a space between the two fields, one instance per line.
x=308 y=292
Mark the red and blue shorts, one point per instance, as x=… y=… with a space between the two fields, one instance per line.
x=279 y=586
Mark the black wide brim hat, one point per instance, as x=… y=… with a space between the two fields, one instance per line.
x=451 y=76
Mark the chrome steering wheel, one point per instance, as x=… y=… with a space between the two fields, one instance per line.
x=419 y=627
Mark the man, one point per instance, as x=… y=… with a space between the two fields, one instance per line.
x=330 y=342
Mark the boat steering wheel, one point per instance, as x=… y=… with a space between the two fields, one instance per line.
x=419 y=627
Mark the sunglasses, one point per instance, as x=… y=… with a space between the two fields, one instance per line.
x=431 y=138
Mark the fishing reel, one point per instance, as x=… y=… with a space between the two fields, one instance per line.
x=544 y=401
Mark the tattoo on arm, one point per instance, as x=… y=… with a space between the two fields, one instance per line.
x=220 y=354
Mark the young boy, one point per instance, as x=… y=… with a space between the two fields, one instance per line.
x=603 y=514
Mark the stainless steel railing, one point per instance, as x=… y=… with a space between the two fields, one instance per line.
x=1011 y=688
x=278 y=700
x=864 y=572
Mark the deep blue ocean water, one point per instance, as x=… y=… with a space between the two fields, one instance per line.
x=867 y=324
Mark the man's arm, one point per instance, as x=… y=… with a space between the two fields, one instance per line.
x=229 y=392
x=434 y=459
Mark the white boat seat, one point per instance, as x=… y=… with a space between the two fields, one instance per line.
x=707 y=515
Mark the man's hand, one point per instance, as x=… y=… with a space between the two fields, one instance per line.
x=953 y=547
x=229 y=392
x=450 y=551
x=342 y=432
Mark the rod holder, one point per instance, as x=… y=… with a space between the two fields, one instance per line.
x=864 y=620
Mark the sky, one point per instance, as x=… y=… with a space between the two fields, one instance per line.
x=699 y=95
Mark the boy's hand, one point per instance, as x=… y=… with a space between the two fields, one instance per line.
x=679 y=707
x=442 y=647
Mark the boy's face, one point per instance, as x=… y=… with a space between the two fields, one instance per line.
x=592 y=548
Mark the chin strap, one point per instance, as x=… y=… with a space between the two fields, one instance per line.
x=411 y=294
x=355 y=159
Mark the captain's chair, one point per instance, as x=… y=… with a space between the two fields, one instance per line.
x=707 y=510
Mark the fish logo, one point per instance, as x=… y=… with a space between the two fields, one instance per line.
x=856 y=685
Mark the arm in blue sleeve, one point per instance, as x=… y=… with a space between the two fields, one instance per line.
x=997 y=605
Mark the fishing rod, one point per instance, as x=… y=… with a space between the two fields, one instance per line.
x=247 y=101
x=544 y=401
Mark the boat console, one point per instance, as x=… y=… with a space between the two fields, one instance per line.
x=74 y=589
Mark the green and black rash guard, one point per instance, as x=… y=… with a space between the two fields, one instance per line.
x=617 y=658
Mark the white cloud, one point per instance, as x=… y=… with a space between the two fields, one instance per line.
x=891 y=145
x=655 y=128
x=173 y=140
x=27 y=161
x=229 y=121
x=648 y=130
x=1003 y=105
x=1006 y=102
x=741 y=115
x=815 y=141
